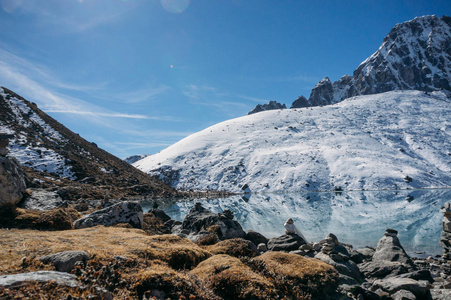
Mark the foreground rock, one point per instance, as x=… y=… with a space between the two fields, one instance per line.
x=286 y=242
x=12 y=181
x=124 y=212
x=199 y=220
x=390 y=258
x=445 y=239
x=40 y=276
x=65 y=261
x=40 y=199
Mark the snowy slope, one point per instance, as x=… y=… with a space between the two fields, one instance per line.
x=33 y=154
x=393 y=140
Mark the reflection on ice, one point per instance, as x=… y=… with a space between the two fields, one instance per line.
x=358 y=218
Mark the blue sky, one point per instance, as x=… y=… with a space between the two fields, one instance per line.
x=135 y=76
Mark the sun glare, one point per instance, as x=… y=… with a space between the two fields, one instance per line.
x=175 y=6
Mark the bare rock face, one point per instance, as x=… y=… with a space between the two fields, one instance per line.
x=12 y=181
x=269 y=106
x=415 y=55
x=124 y=212
x=300 y=102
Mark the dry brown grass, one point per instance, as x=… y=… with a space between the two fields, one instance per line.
x=161 y=264
x=229 y=278
x=294 y=274
x=233 y=247
x=54 y=219
x=100 y=241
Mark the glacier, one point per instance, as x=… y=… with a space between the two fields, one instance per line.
x=392 y=140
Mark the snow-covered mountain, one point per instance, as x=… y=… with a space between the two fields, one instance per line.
x=393 y=140
x=52 y=153
x=415 y=55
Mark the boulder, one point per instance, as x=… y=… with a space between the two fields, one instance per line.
x=65 y=261
x=12 y=181
x=199 y=219
x=159 y=213
x=286 y=242
x=441 y=294
x=40 y=199
x=394 y=284
x=255 y=237
x=62 y=278
x=124 y=212
x=345 y=268
x=360 y=255
x=403 y=295
x=388 y=259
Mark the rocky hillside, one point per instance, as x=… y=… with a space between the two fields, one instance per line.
x=415 y=55
x=393 y=140
x=52 y=154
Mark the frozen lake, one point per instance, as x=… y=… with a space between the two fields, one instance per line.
x=358 y=218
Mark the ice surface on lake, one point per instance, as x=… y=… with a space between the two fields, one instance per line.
x=358 y=218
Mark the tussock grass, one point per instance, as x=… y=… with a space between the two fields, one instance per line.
x=54 y=219
x=233 y=247
x=103 y=242
x=229 y=278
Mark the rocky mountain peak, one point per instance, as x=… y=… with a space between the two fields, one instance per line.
x=269 y=106
x=415 y=55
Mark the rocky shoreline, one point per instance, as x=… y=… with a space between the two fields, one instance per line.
x=216 y=242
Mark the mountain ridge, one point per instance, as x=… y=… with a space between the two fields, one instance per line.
x=53 y=154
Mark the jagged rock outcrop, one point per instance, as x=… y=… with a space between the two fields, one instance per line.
x=415 y=55
x=269 y=106
x=300 y=102
x=124 y=212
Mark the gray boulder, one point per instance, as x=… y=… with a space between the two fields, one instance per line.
x=441 y=294
x=199 y=219
x=255 y=237
x=40 y=199
x=124 y=212
x=12 y=181
x=403 y=295
x=394 y=284
x=346 y=269
x=389 y=259
x=286 y=242
x=65 y=261
x=62 y=278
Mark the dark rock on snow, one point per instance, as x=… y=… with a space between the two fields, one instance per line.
x=269 y=106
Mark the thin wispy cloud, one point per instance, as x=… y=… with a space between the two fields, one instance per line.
x=141 y=95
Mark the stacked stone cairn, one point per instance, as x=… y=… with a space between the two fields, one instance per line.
x=445 y=239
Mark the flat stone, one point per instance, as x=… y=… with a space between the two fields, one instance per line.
x=40 y=276
x=394 y=284
x=286 y=242
x=65 y=261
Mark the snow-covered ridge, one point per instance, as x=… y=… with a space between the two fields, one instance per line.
x=33 y=154
x=394 y=140
x=415 y=55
